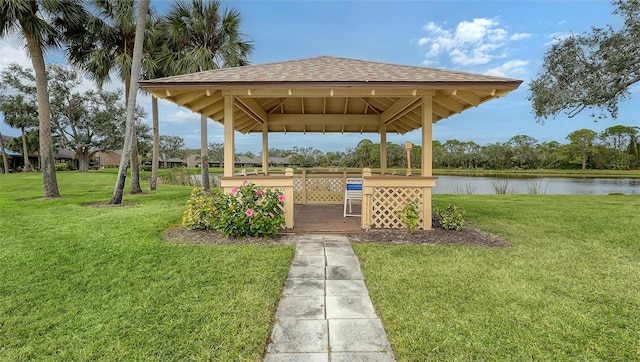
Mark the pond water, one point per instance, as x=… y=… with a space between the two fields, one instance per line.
x=540 y=185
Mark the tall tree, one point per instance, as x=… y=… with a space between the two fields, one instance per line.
x=20 y=113
x=129 y=136
x=89 y=121
x=590 y=71
x=44 y=24
x=108 y=46
x=5 y=160
x=208 y=38
x=581 y=144
x=171 y=147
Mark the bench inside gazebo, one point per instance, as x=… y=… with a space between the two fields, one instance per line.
x=327 y=95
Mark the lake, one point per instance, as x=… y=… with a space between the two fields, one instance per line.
x=541 y=185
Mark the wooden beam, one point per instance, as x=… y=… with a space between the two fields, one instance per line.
x=400 y=107
x=468 y=96
x=253 y=107
x=448 y=102
x=334 y=92
x=324 y=119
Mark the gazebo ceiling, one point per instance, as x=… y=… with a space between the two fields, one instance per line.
x=329 y=94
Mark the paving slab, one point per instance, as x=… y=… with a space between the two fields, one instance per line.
x=361 y=357
x=345 y=287
x=310 y=248
x=357 y=335
x=308 y=260
x=349 y=307
x=310 y=272
x=304 y=288
x=343 y=260
x=344 y=272
x=294 y=335
x=297 y=357
x=301 y=307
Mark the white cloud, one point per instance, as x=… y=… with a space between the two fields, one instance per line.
x=556 y=37
x=472 y=43
x=511 y=68
x=12 y=52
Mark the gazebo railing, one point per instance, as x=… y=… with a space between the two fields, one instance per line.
x=383 y=196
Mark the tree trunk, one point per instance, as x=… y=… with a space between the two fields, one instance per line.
x=25 y=152
x=83 y=160
x=131 y=102
x=135 y=164
x=204 y=156
x=47 y=163
x=584 y=162
x=156 y=144
x=5 y=161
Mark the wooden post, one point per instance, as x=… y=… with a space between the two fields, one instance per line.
x=304 y=187
x=427 y=143
x=229 y=157
x=383 y=149
x=408 y=145
x=265 y=149
x=288 y=200
x=367 y=194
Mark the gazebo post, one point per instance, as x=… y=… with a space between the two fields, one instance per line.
x=427 y=134
x=427 y=143
x=383 y=149
x=229 y=158
x=265 y=149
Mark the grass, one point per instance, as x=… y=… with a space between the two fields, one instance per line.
x=98 y=283
x=567 y=290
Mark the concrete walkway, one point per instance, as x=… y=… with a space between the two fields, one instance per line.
x=325 y=313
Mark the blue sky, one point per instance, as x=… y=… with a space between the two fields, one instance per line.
x=504 y=38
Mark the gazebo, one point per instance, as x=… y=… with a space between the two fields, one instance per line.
x=329 y=94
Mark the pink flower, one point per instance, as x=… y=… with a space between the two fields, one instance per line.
x=234 y=191
x=281 y=198
x=245 y=182
x=249 y=212
x=259 y=192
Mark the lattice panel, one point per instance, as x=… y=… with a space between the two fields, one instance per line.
x=297 y=196
x=388 y=201
x=297 y=184
x=325 y=190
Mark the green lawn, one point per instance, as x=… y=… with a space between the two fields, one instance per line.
x=568 y=289
x=81 y=283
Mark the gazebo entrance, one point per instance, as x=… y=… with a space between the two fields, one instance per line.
x=328 y=94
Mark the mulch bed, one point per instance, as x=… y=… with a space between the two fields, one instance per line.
x=438 y=236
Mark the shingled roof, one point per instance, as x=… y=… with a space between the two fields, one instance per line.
x=327 y=69
x=329 y=94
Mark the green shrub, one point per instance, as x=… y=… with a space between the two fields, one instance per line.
x=201 y=212
x=250 y=211
x=410 y=215
x=245 y=211
x=146 y=168
x=63 y=167
x=449 y=218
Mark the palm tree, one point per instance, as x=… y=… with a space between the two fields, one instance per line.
x=18 y=113
x=44 y=24
x=5 y=161
x=206 y=39
x=108 y=46
x=136 y=65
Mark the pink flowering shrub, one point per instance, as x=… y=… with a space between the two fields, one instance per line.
x=247 y=211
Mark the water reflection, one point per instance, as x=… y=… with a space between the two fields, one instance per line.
x=542 y=185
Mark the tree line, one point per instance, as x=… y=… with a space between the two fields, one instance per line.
x=617 y=148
